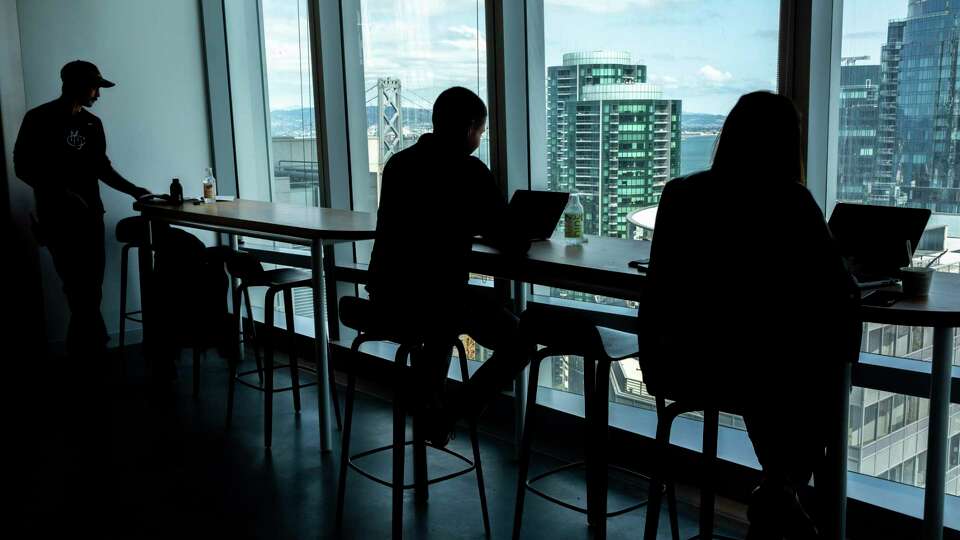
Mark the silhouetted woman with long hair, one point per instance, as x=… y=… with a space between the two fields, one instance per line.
x=750 y=307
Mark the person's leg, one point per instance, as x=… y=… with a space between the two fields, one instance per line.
x=78 y=256
x=77 y=249
x=494 y=327
x=789 y=443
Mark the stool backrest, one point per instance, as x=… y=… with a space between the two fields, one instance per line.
x=190 y=291
x=243 y=265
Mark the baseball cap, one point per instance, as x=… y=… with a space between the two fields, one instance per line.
x=84 y=73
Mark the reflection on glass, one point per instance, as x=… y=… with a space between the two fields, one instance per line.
x=898 y=146
x=636 y=94
x=412 y=51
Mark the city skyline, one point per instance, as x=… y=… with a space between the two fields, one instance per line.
x=432 y=45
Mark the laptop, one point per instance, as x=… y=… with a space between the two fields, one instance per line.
x=877 y=241
x=536 y=213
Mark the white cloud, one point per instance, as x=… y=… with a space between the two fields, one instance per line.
x=715 y=75
x=608 y=6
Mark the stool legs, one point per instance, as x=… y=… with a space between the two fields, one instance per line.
x=655 y=497
x=399 y=436
x=253 y=330
x=124 y=255
x=294 y=370
x=526 y=440
x=598 y=439
x=231 y=389
x=711 y=427
x=590 y=449
x=196 y=371
x=475 y=442
x=345 y=441
x=268 y=370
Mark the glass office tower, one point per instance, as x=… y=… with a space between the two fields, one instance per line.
x=859 y=129
x=611 y=137
x=928 y=114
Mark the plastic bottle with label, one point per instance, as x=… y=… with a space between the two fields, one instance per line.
x=209 y=186
x=573 y=221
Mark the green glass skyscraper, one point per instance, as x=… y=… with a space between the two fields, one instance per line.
x=611 y=137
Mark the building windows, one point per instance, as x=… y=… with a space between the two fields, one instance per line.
x=411 y=51
x=895 y=117
x=631 y=103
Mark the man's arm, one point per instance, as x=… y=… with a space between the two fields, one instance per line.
x=109 y=176
x=493 y=219
x=25 y=151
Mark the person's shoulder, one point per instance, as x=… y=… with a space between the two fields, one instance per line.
x=90 y=117
x=400 y=158
x=687 y=182
x=43 y=110
x=476 y=165
x=802 y=199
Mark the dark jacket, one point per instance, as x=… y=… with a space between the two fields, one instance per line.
x=745 y=285
x=433 y=201
x=63 y=156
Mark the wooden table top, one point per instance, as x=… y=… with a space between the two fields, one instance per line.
x=598 y=267
x=940 y=308
x=286 y=220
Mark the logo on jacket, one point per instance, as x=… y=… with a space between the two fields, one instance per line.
x=75 y=139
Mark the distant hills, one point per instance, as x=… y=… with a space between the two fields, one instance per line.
x=701 y=121
x=299 y=122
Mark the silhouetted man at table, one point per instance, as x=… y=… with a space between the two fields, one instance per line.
x=61 y=153
x=435 y=198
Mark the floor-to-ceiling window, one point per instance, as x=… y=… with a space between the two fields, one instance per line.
x=897 y=145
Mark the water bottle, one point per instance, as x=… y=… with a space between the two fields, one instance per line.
x=176 y=192
x=209 y=186
x=573 y=221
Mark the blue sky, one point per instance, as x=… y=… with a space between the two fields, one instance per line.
x=704 y=52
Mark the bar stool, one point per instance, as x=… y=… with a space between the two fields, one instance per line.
x=132 y=233
x=829 y=490
x=666 y=414
x=565 y=333
x=248 y=270
x=357 y=313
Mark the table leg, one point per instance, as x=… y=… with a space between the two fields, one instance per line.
x=937 y=434
x=520 y=384
x=234 y=283
x=835 y=490
x=321 y=343
x=145 y=256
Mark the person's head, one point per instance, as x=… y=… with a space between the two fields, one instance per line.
x=460 y=118
x=761 y=140
x=82 y=82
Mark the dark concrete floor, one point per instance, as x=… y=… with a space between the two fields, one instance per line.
x=174 y=471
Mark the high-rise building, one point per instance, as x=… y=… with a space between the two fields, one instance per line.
x=927 y=107
x=858 y=130
x=611 y=137
x=885 y=190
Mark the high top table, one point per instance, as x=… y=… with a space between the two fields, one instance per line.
x=600 y=267
x=941 y=310
x=308 y=226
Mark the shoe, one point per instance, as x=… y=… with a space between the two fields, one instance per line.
x=439 y=428
x=775 y=513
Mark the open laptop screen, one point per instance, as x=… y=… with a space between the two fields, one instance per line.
x=874 y=239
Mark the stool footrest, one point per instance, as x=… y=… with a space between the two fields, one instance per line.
x=581 y=509
x=470 y=465
x=281 y=389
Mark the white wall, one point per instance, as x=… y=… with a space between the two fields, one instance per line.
x=156 y=118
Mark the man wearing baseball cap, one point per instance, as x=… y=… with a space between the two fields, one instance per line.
x=61 y=153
